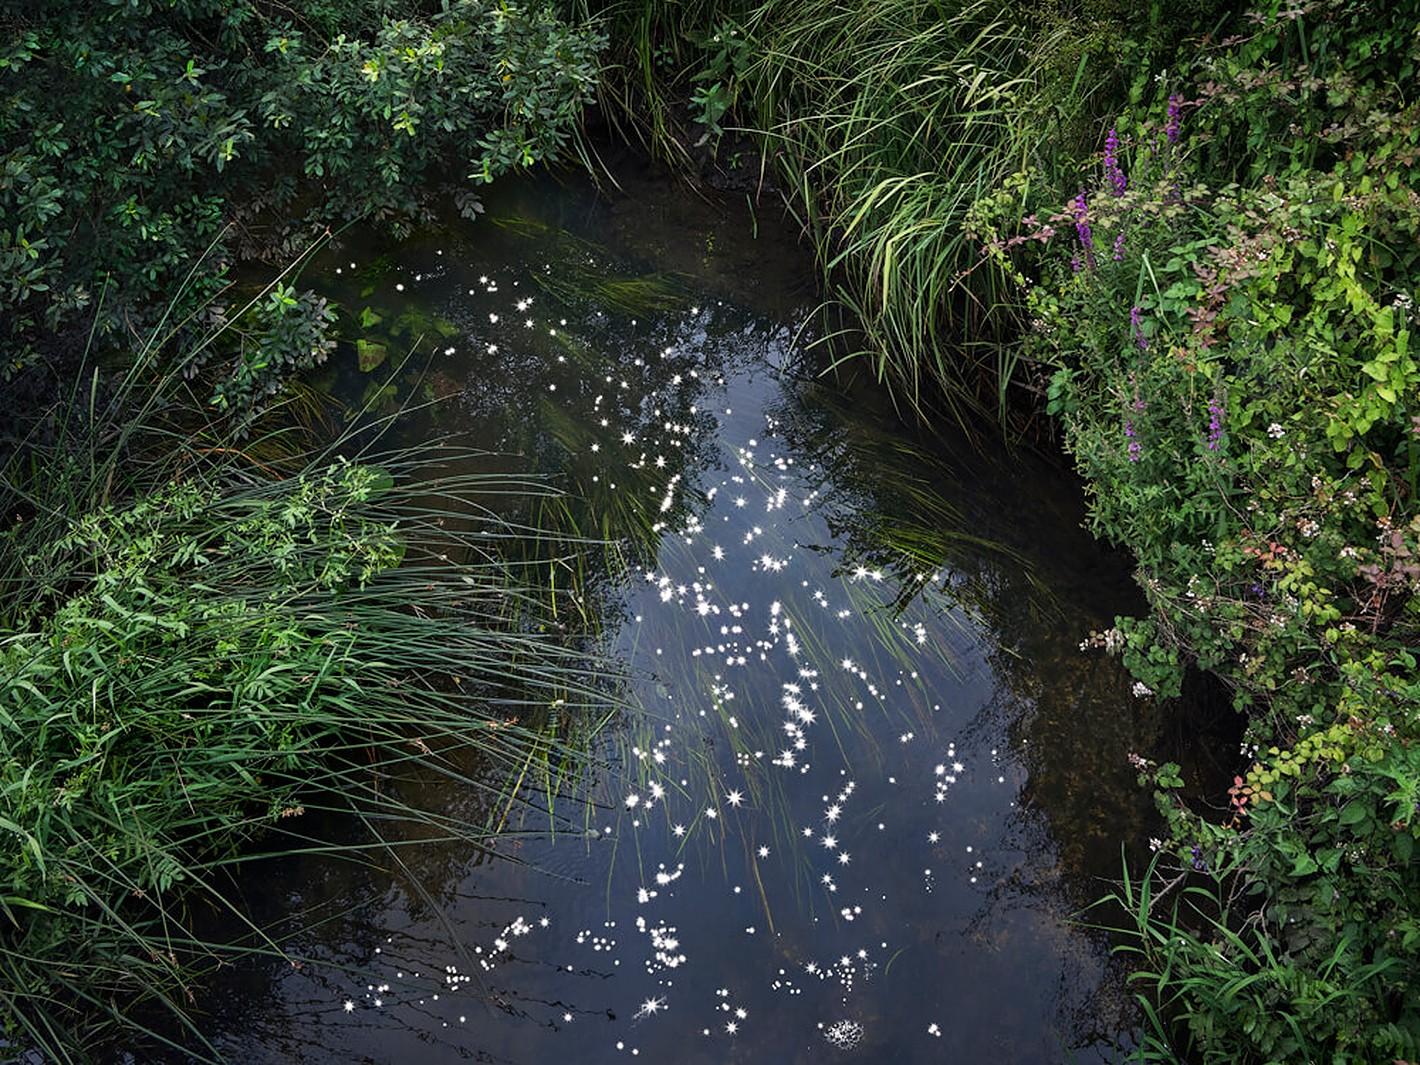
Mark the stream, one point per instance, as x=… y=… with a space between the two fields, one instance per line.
x=868 y=777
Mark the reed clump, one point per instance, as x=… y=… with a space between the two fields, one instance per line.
x=208 y=642
x=886 y=124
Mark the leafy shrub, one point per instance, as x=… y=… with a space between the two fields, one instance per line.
x=147 y=144
x=1227 y=303
x=288 y=332
x=163 y=707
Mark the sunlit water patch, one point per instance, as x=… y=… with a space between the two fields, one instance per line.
x=869 y=775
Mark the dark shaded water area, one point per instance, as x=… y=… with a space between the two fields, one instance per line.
x=866 y=775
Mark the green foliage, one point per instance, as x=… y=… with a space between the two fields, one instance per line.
x=727 y=61
x=1227 y=307
x=286 y=333
x=106 y=656
x=885 y=124
x=1211 y=966
x=148 y=143
x=201 y=643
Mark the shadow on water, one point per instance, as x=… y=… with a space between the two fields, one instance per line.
x=872 y=774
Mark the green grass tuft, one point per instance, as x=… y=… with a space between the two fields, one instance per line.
x=203 y=642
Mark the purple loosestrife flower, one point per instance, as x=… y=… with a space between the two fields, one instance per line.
x=1175 y=117
x=1115 y=175
x=1136 y=327
x=1119 y=247
x=1215 y=424
x=1135 y=448
x=1081 y=209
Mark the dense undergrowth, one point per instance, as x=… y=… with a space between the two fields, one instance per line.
x=149 y=145
x=1209 y=244
x=220 y=621
x=1188 y=231
x=206 y=642
x=1227 y=300
x=884 y=122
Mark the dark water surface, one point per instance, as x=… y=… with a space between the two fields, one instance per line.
x=873 y=774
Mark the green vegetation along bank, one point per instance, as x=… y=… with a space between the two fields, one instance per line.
x=148 y=146
x=885 y=123
x=1187 y=232
x=207 y=643
x=1192 y=238
x=221 y=622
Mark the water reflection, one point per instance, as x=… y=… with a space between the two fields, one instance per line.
x=871 y=774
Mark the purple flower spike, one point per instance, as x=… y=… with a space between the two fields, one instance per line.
x=1136 y=327
x=1080 y=208
x=1175 y=117
x=1111 y=163
x=1119 y=247
x=1215 y=425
